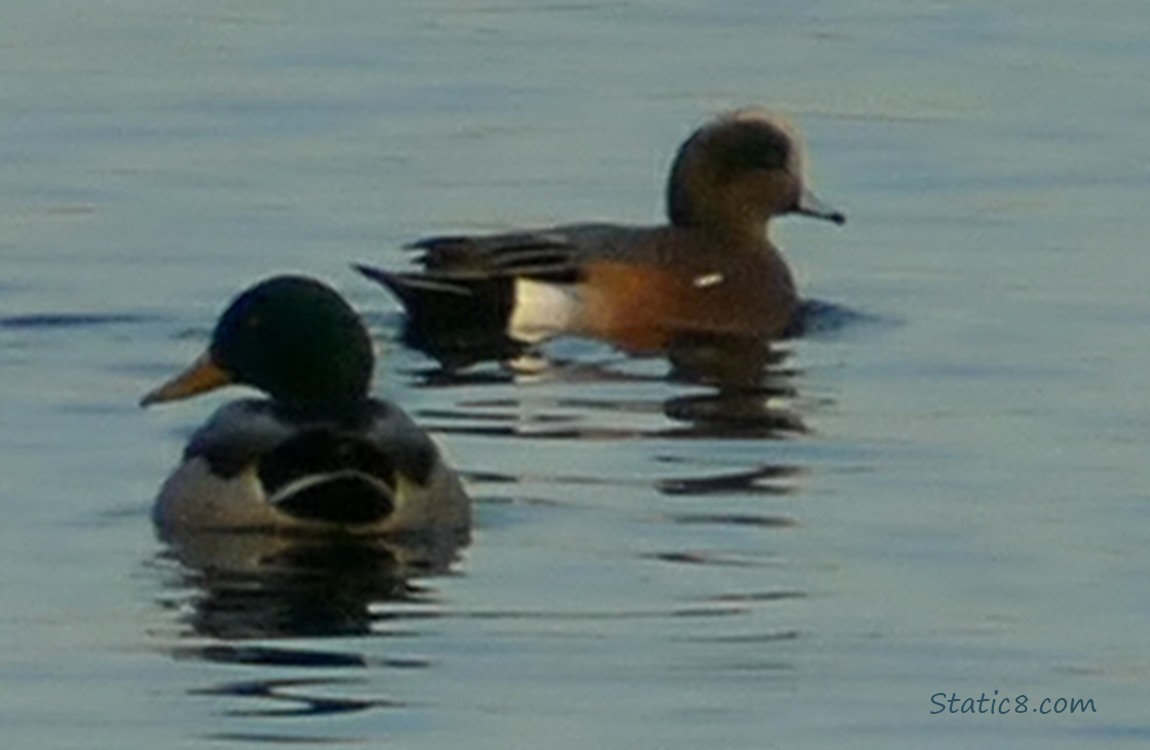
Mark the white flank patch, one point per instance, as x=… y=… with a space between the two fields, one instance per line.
x=542 y=310
x=708 y=280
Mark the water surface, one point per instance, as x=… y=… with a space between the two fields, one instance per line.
x=943 y=493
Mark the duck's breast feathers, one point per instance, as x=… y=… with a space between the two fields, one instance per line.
x=254 y=464
x=239 y=435
x=256 y=431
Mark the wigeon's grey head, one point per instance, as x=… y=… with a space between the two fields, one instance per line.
x=738 y=171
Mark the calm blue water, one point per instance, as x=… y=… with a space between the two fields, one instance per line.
x=947 y=492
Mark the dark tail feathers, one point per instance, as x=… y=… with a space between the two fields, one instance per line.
x=453 y=317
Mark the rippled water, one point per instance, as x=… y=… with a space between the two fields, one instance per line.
x=939 y=489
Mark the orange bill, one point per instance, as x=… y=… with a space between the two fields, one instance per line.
x=201 y=376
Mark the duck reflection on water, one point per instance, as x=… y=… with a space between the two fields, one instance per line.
x=731 y=387
x=244 y=585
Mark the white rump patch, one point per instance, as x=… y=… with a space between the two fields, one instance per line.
x=542 y=310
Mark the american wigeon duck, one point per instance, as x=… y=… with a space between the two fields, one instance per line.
x=319 y=454
x=711 y=271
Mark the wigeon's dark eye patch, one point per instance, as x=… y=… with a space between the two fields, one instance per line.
x=753 y=146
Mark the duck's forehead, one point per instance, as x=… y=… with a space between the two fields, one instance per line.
x=234 y=317
x=246 y=308
x=754 y=144
x=755 y=137
x=763 y=116
x=287 y=300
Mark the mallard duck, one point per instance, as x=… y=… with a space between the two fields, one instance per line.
x=318 y=454
x=711 y=270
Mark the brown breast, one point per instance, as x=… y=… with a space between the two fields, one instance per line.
x=643 y=308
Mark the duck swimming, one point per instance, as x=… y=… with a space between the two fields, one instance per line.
x=319 y=453
x=712 y=270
